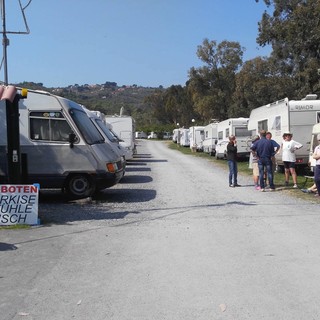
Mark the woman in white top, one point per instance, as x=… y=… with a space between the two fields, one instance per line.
x=288 y=147
x=316 y=156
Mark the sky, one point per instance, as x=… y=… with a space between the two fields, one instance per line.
x=148 y=43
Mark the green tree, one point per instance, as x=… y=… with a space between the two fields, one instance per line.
x=259 y=83
x=212 y=85
x=293 y=30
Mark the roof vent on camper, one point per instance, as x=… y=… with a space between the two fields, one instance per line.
x=310 y=97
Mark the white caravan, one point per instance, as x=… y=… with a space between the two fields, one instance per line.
x=295 y=116
x=237 y=127
x=176 y=135
x=124 y=127
x=313 y=143
x=196 y=136
x=184 y=137
x=210 y=138
x=62 y=147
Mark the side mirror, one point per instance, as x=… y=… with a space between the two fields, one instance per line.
x=72 y=139
x=215 y=141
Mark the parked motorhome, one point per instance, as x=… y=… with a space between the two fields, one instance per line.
x=237 y=127
x=124 y=127
x=295 y=116
x=313 y=143
x=141 y=135
x=153 y=135
x=62 y=147
x=109 y=137
x=210 y=138
x=176 y=135
x=184 y=137
x=196 y=137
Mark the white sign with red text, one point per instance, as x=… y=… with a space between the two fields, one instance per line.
x=19 y=204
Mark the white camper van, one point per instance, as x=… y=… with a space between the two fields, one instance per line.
x=196 y=136
x=296 y=116
x=184 y=137
x=97 y=118
x=237 y=127
x=175 y=135
x=62 y=146
x=313 y=143
x=124 y=127
x=210 y=138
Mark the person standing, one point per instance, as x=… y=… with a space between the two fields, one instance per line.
x=264 y=150
x=276 y=147
x=316 y=156
x=289 y=146
x=253 y=164
x=232 y=161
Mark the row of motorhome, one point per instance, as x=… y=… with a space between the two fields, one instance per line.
x=62 y=146
x=300 y=117
x=214 y=137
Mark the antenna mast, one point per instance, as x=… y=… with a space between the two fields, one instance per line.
x=5 y=40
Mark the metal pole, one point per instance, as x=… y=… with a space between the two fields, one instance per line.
x=5 y=42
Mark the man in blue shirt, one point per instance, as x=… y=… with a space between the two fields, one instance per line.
x=264 y=150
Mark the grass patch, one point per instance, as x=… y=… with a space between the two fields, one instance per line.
x=15 y=226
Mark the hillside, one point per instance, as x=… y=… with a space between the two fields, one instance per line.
x=107 y=98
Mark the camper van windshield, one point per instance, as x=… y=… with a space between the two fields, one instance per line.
x=88 y=130
x=242 y=132
x=105 y=130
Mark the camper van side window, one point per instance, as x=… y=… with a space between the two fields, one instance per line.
x=263 y=125
x=220 y=135
x=49 y=126
x=276 y=123
x=318 y=117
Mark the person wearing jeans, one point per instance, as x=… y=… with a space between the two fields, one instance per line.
x=264 y=150
x=232 y=161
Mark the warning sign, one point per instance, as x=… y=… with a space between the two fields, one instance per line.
x=19 y=204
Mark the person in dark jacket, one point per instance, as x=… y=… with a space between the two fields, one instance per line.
x=232 y=161
x=264 y=150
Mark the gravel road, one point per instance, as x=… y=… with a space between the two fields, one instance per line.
x=172 y=241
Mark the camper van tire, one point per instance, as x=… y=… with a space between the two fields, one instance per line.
x=79 y=186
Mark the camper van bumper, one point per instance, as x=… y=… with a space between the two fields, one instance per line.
x=108 y=179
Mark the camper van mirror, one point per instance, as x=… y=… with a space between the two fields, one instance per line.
x=72 y=139
x=215 y=141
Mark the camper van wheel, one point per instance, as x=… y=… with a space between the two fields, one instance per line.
x=79 y=186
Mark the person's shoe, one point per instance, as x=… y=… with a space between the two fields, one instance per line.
x=306 y=190
x=257 y=188
x=317 y=195
x=237 y=185
x=231 y=185
x=262 y=190
x=286 y=183
x=295 y=186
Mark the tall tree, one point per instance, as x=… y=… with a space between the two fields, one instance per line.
x=259 y=83
x=293 y=30
x=212 y=85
